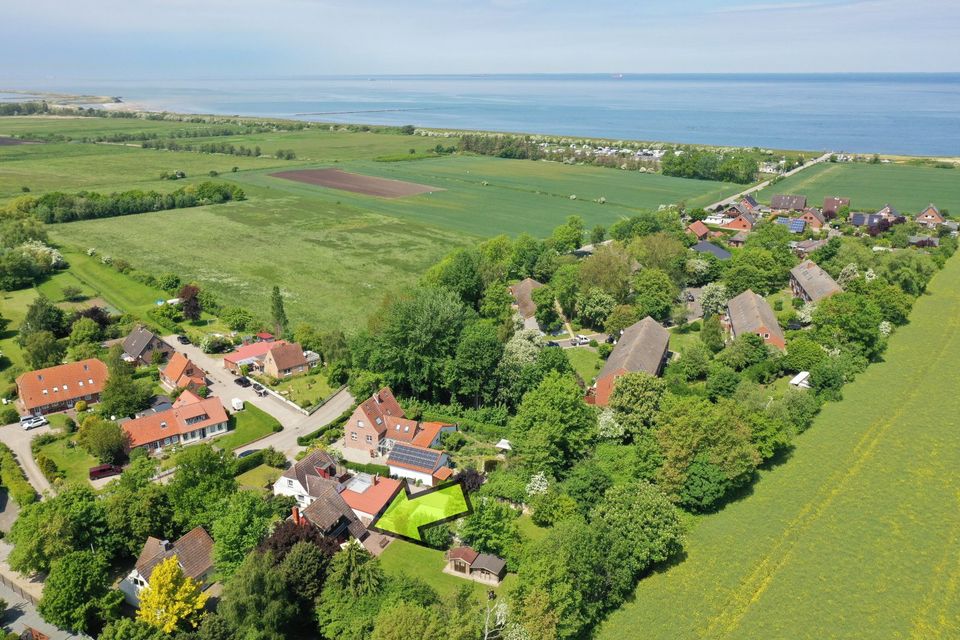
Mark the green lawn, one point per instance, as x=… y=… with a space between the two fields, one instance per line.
x=530 y=531
x=680 y=340
x=259 y=477
x=908 y=188
x=245 y=427
x=585 y=361
x=856 y=534
x=306 y=390
x=406 y=558
x=74 y=461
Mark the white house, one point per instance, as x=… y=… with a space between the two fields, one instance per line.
x=420 y=464
x=194 y=553
x=306 y=480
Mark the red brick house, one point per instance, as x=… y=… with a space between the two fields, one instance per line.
x=813 y=218
x=60 y=387
x=285 y=360
x=743 y=222
x=930 y=217
x=379 y=422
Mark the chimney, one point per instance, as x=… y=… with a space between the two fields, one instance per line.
x=166 y=544
x=376 y=479
x=296 y=516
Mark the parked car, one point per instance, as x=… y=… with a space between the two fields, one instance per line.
x=183 y=339
x=242 y=382
x=581 y=341
x=32 y=422
x=257 y=386
x=248 y=452
x=105 y=471
x=553 y=343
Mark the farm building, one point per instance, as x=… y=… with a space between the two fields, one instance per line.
x=811 y=283
x=642 y=347
x=751 y=313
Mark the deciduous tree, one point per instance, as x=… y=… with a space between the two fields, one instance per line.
x=172 y=601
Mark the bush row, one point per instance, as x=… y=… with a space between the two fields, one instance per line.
x=337 y=424
x=13 y=478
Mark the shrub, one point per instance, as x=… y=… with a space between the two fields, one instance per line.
x=80 y=406
x=50 y=469
x=604 y=350
x=453 y=440
x=8 y=415
x=12 y=477
x=367 y=468
x=274 y=458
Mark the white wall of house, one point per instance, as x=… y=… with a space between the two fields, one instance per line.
x=293 y=488
x=131 y=586
x=410 y=474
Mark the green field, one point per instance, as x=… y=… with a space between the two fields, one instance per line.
x=402 y=558
x=332 y=252
x=857 y=534
x=245 y=427
x=908 y=188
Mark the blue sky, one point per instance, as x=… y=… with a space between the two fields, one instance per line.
x=105 y=39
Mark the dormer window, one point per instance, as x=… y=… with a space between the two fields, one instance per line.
x=80 y=383
x=90 y=380
x=55 y=389
x=379 y=420
x=64 y=387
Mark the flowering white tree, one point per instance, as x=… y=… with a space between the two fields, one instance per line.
x=713 y=299
x=609 y=427
x=848 y=274
x=538 y=484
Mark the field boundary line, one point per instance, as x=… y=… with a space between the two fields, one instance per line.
x=756 y=583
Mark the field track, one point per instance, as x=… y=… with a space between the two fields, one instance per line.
x=356 y=183
x=857 y=533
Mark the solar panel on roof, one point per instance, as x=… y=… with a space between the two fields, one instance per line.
x=412 y=456
x=797 y=226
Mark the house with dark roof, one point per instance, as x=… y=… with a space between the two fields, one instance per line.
x=641 y=347
x=311 y=478
x=332 y=516
x=522 y=293
x=811 y=283
x=698 y=229
x=806 y=247
x=58 y=388
x=194 y=554
x=751 y=313
x=284 y=360
x=738 y=239
x=708 y=247
x=832 y=205
x=423 y=465
x=923 y=241
x=180 y=372
x=785 y=202
x=750 y=203
x=190 y=420
x=464 y=562
x=930 y=217
x=379 y=422
x=140 y=346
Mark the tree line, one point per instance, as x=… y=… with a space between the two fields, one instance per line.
x=58 y=206
x=702 y=164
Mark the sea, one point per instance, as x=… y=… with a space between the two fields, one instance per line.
x=902 y=113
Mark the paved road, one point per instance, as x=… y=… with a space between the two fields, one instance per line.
x=18 y=440
x=766 y=183
x=294 y=422
x=21 y=614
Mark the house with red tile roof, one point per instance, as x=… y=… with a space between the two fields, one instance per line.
x=180 y=372
x=743 y=222
x=697 y=228
x=190 y=420
x=58 y=388
x=378 y=423
x=251 y=355
x=813 y=218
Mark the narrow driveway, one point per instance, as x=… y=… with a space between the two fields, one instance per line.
x=766 y=183
x=294 y=422
x=18 y=440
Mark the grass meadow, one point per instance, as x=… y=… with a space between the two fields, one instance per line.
x=909 y=188
x=857 y=535
x=334 y=254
